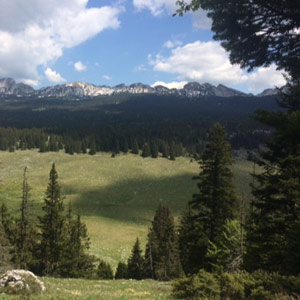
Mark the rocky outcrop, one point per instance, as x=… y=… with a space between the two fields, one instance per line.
x=20 y=281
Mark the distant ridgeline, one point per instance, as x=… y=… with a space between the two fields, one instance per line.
x=170 y=122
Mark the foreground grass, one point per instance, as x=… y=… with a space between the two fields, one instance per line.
x=69 y=289
x=116 y=197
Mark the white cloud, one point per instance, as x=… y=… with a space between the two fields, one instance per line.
x=79 y=66
x=199 y=61
x=140 y=68
x=30 y=82
x=53 y=76
x=159 y=7
x=106 y=77
x=209 y=62
x=171 y=85
x=35 y=33
x=265 y=77
x=172 y=43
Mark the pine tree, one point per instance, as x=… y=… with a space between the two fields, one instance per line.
x=273 y=227
x=52 y=227
x=216 y=201
x=5 y=250
x=135 y=262
x=165 y=149
x=122 y=271
x=146 y=150
x=104 y=270
x=135 y=147
x=154 y=149
x=172 y=151
x=190 y=235
x=162 y=256
x=7 y=223
x=26 y=235
x=227 y=253
x=76 y=262
x=92 y=147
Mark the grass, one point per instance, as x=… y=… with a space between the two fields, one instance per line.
x=116 y=197
x=72 y=289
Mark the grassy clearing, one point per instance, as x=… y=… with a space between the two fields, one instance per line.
x=117 y=196
x=70 y=289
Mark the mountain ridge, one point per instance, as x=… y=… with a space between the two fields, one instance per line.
x=80 y=90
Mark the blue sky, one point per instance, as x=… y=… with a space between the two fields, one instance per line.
x=112 y=42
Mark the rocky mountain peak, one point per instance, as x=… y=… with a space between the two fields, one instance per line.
x=79 y=90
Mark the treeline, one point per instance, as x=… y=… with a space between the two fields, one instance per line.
x=12 y=139
x=81 y=124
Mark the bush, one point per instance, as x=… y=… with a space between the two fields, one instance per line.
x=204 y=285
x=259 y=285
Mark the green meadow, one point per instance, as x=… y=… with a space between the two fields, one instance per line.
x=72 y=289
x=116 y=197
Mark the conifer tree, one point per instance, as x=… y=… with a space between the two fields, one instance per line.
x=26 y=235
x=215 y=202
x=172 y=151
x=104 y=270
x=76 y=262
x=227 y=253
x=122 y=271
x=165 y=149
x=7 y=223
x=273 y=227
x=135 y=147
x=135 y=262
x=125 y=146
x=162 y=256
x=52 y=227
x=154 y=149
x=146 y=150
x=116 y=148
x=92 y=147
x=5 y=250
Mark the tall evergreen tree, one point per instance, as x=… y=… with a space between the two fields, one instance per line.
x=76 y=262
x=135 y=147
x=215 y=202
x=273 y=228
x=26 y=235
x=172 y=151
x=154 y=149
x=5 y=250
x=146 y=150
x=135 y=262
x=162 y=256
x=52 y=227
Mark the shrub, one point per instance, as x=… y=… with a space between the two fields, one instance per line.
x=204 y=285
x=259 y=285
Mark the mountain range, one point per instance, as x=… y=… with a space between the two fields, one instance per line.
x=81 y=90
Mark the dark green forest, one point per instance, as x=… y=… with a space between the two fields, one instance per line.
x=126 y=122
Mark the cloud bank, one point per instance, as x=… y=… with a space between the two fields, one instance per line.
x=34 y=33
x=209 y=62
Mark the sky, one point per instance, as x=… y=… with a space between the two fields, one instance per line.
x=103 y=42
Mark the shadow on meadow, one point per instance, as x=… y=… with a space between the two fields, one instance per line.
x=134 y=200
